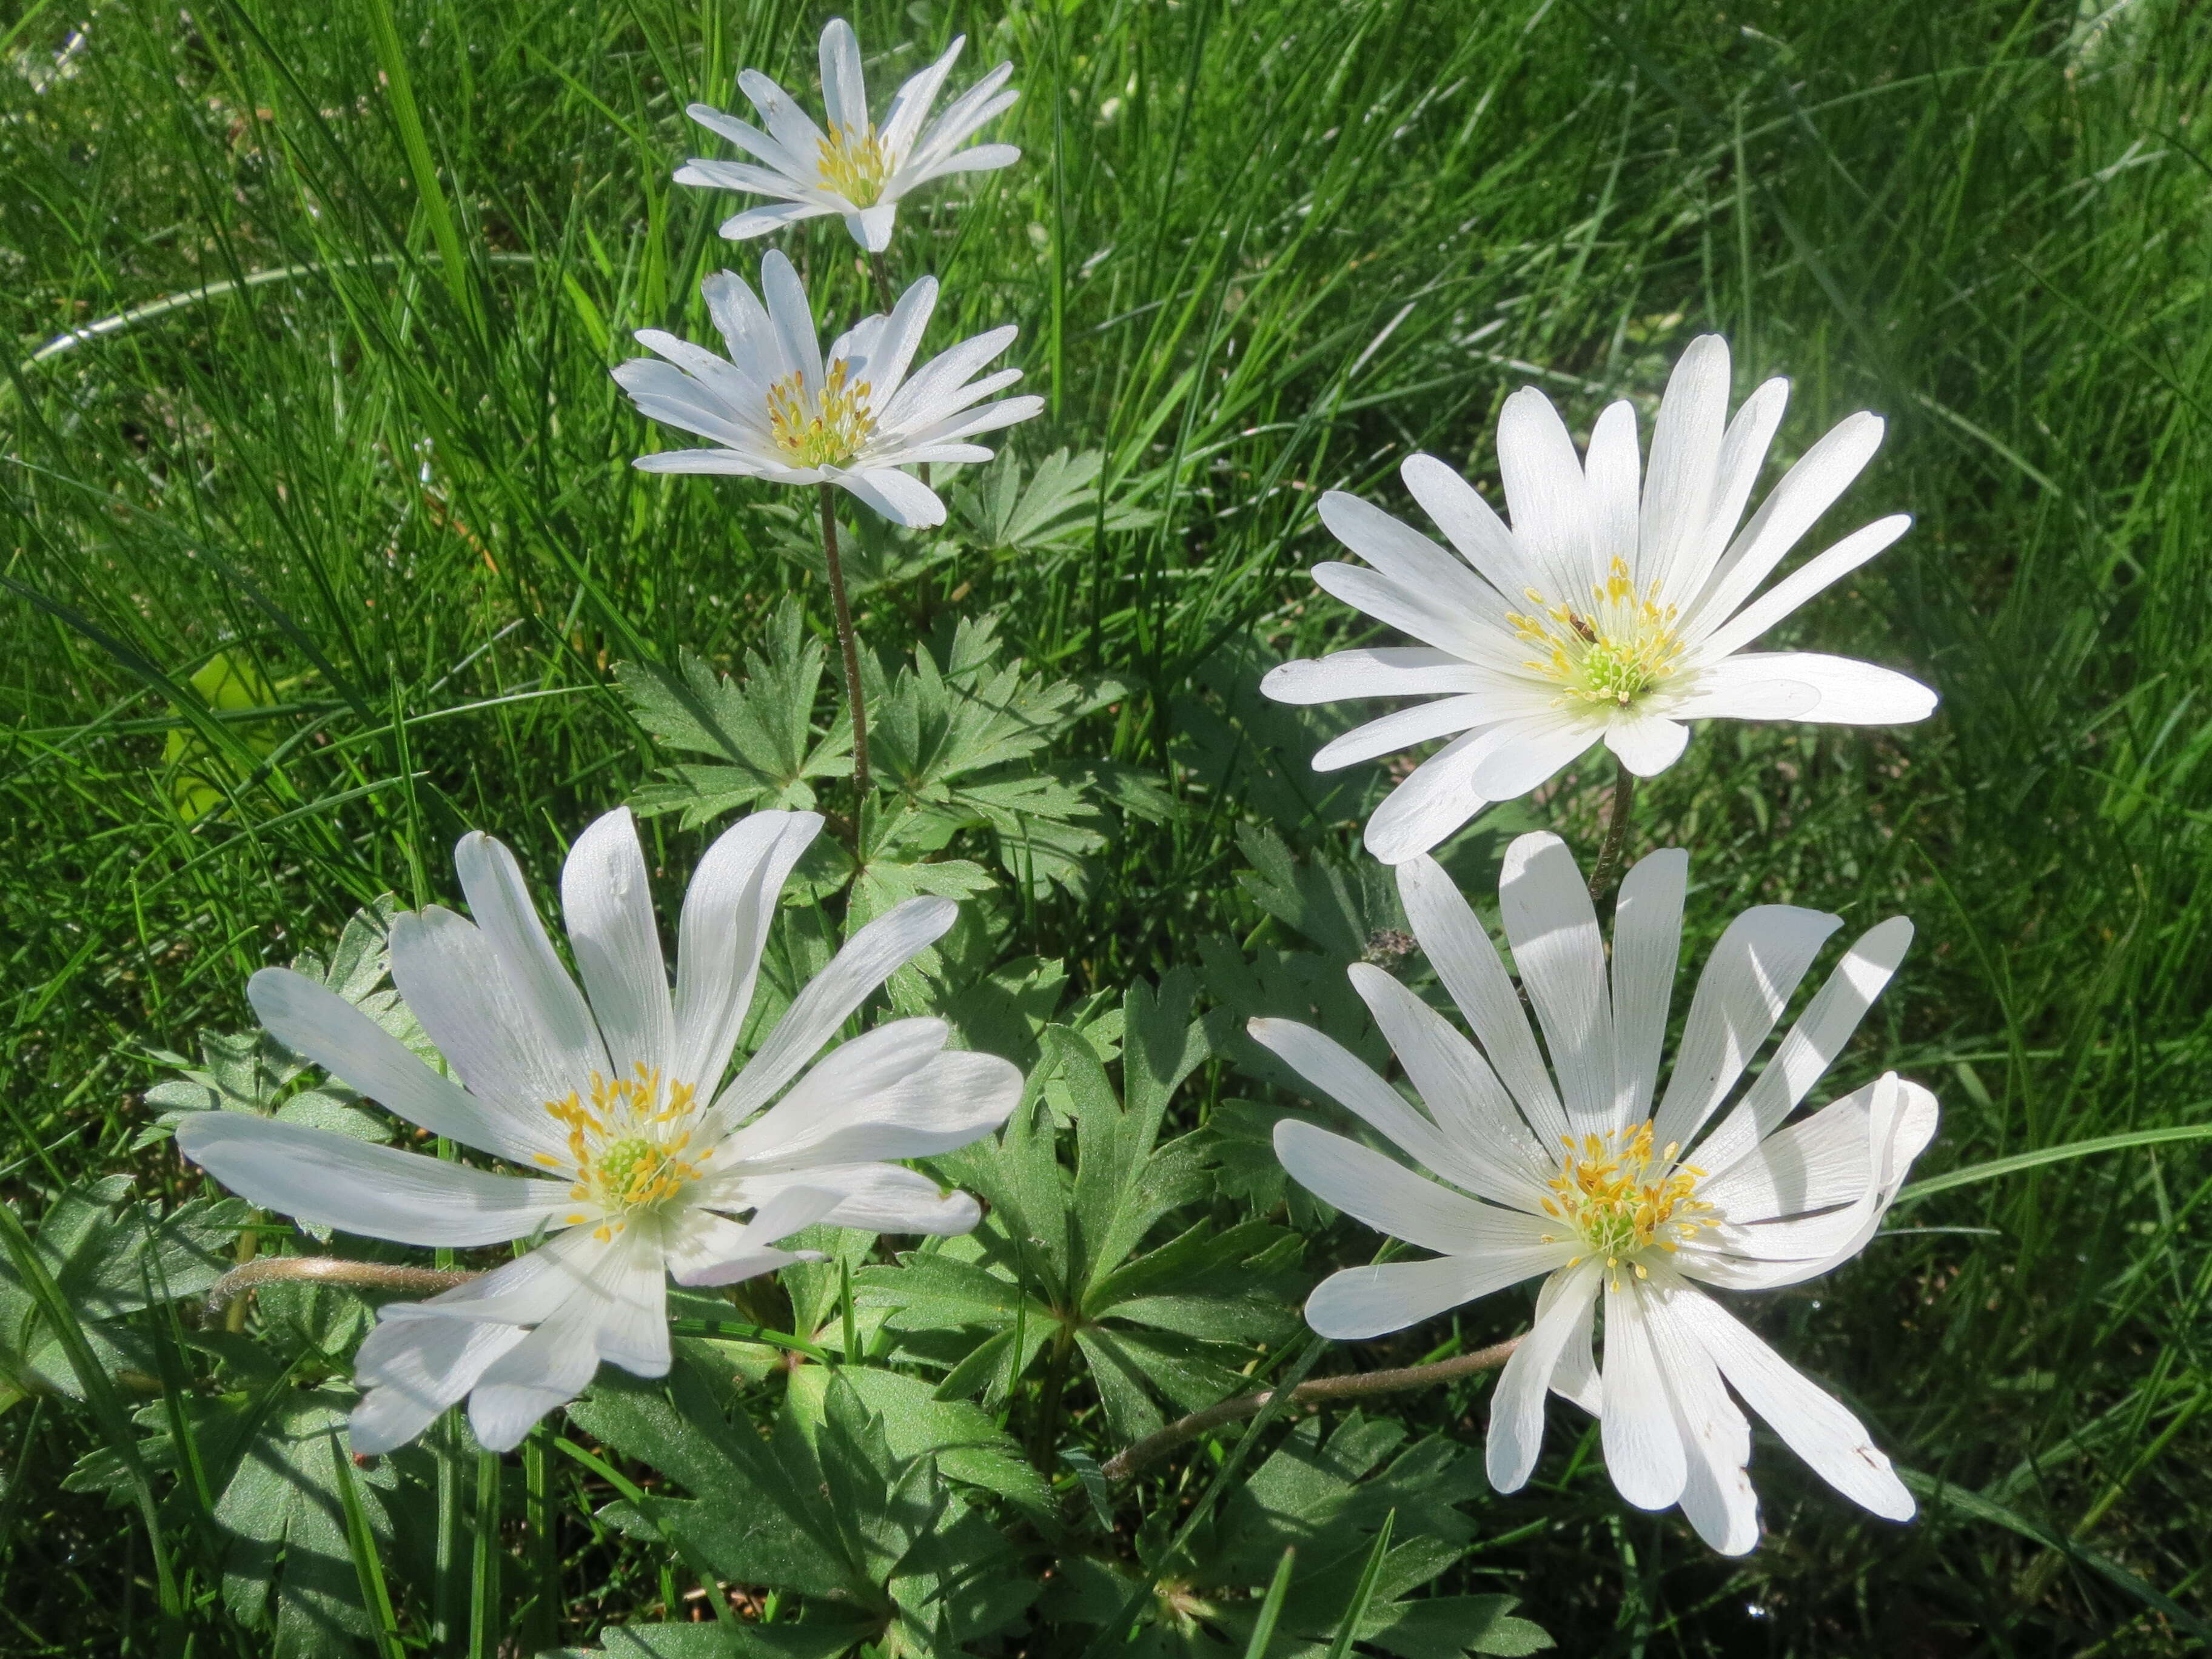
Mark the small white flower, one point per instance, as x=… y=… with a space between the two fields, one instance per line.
x=1609 y=1188
x=776 y=412
x=1595 y=618
x=855 y=169
x=612 y=1092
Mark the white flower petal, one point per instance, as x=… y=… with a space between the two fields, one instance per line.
x=1647 y=744
x=924 y=397
x=1813 y=1043
x=885 y=366
x=1470 y=524
x=844 y=93
x=878 y=1198
x=1747 y=982
x=1810 y=1423
x=1472 y=635
x=1405 y=727
x=607 y=896
x=500 y=905
x=1685 y=452
x=328 y=1179
x=540 y=1374
x=765 y=220
x=957 y=1097
x=705 y=1249
x=910 y=108
x=1612 y=469
x=962 y=117
x=1341 y=1075
x=1467 y=963
x=1553 y=929
x=1406 y=556
x=1393 y=1199
x=1461 y=1092
x=1547 y=494
x=1802 y=685
x=524 y=1291
x=788 y=124
x=410 y=1372
x=899 y=497
x=1796 y=588
x=1647 y=947
x=1743 y=452
x=632 y=1330
x=1361 y=1303
x=1534 y=753
x=328 y=1030
x=1717 y=1498
x=459 y=989
x=1576 y=1375
x=1813 y=1165
x=1390 y=670
x=795 y=322
x=725 y=463
x=1642 y=1443
x=1806 y=490
x=727 y=913
x=1433 y=802
x=1517 y=1404
x=868 y=958
x=750 y=138
x=979 y=158
x=872 y=226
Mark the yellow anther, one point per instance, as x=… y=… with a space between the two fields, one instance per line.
x=1624 y=647
x=855 y=163
x=1623 y=1199
x=824 y=428
x=627 y=1148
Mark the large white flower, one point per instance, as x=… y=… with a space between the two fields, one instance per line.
x=609 y=1095
x=775 y=411
x=855 y=169
x=1597 y=617
x=1608 y=1188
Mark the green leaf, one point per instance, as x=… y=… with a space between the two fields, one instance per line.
x=1059 y=506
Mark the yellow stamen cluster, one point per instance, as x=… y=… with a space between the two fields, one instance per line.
x=853 y=162
x=626 y=1148
x=1623 y=648
x=1622 y=1200
x=828 y=428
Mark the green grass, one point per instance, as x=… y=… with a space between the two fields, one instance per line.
x=1256 y=250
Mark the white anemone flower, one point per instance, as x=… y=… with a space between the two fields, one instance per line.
x=776 y=411
x=613 y=1098
x=1605 y=1187
x=857 y=169
x=1598 y=617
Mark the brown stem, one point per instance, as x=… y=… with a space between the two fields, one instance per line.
x=850 y=646
x=328 y=1270
x=1152 y=1447
x=1616 y=831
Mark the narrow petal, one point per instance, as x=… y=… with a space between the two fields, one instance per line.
x=1685 y=452
x=1793 y=589
x=958 y=1097
x=910 y=105
x=540 y=1374
x=633 y=1331
x=1747 y=982
x=939 y=378
x=1647 y=947
x=898 y=496
x=1406 y=556
x=315 y=1021
x=765 y=220
x=1812 y=1422
x=1398 y=671
x=412 y=1371
x=1361 y=1303
x=872 y=226
x=884 y=367
x=1441 y=717
x=1642 y=1443
x=1553 y=929
x=794 y=322
x=1461 y=1092
x=1612 y=470
x=458 y=986
x=1647 y=744
x=524 y=1291
x=727 y=913
x=1343 y=1077
x=1467 y=963
x=879 y=1198
x=1806 y=490
x=788 y=124
x=500 y=905
x=1393 y=1199
x=607 y=895
x=328 y=1180
x=1517 y=1404
x=1743 y=452
x=1548 y=494
x=1470 y=524
x=978 y=158
x=1576 y=1376
x=707 y=1249
x=869 y=958
x=1802 y=685
x=1813 y=1043
x=1470 y=634
x=722 y=462
x=844 y=93
x=751 y=139
x=1717 y=1498
x=1538 y=747
x=1816 y=1164
x=1434 y=802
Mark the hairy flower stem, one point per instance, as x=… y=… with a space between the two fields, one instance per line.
x=1616 y=831
x=849 y=644
x=1152 y=1447
x=328 y=1270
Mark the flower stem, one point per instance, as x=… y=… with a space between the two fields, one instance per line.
x=1616 y=831
x=1152 y=1447
x=882 y=276
x=850 y=646
x=328 y=1270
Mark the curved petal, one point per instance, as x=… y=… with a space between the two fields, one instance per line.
x=785 y=298
x=1642 y=1443
x=750 y=138
x=910 y=107
x=1469 y=523
x=1471 y=634
x=1406 y=556
x=456 y=985
x=1686 y=455
x=1647 y=947
x=1435 y=801
x=898 y=496
x=330 y=1179
x=1647 y=744
x=844 y=93
x=607 y=896
x=1576 y=1376
x=1517 y=1404
x=315 y=1021
x=1612 y=468
x=1532 y=753
x=1814 y=1165
x=1360 y=1303
x=879 y=1198
x=1812 y=1424
x=1547 y=494
x=727 y=913
x=500 y=905
x=869 y=958
x=1796 y=588
x=1806 y=490
x=412 y=1371
x=872 y=226
x=786 y=122
x=1747 y=982
x=1439 y=717
x=1804 y=686
x=1743 y=452
x=1393 y=1199
x=1553 y=930
x=1717 y=1498
x=705 y=1249
x=765 y=220
x=1390 y=670
x=957 y=1097
x=1467 y=963
x=978 y=158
